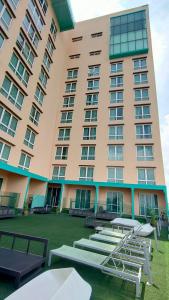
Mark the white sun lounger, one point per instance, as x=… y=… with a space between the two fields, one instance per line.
x=56 y=284
x=111 y=265
x=104 y=238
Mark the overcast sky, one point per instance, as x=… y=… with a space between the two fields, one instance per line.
x=159 y=21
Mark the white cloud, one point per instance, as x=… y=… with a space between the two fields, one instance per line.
x=165 y=146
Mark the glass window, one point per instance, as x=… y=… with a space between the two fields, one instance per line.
x=140 y=78
x=24 y=162
x=116 y=97
x=70 y=87
x=5 y=16
x=148 y=203
x=93 y=70
x=43 y=77
x=91 y=115
x=39 y=95
x=12 y=92
x=146 y=176
x=19 y=69
x=59 y=172
x=4 y=151
x=53 y=29
x=47 y=61
x=1 y=40
x=145 y=152
x=116 y=67
x=35 y=14
x=116 y=132
x=141 y=94
x=88 y=153
x=93 y=84
x=61 y=152
x=116 y=81
x=92 y=99
x=115 y=152
x=142 y=112
x=29 y=139
x=50 y=46
x=44 y=5
x=31 y=31
x=13 y=3
x=34 y=115
x=89 y=133
x=143 y=131
x=115 y=174
x=25 y=49
x=66 y=117
x=140 y=63
x=82 y=199
x=8 y=122
x=116 y=113
x=86 y=173
x=64 y=134
x=114 y=202
x=73 y=73
x=68 y=101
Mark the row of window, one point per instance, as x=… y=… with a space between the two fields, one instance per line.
x=115 y=174
x=115 y=152
x=143 y=131
x=93 y=35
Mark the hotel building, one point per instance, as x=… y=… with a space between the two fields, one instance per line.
x=78 y=109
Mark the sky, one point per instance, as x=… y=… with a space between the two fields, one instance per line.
x=159 y=22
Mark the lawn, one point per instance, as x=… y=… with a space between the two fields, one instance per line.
x=63 y=229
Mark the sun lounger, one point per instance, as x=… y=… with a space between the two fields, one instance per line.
x=110 y=232
x=111 y=265
x=56 y=284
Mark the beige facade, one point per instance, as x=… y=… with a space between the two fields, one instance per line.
x=81 y=48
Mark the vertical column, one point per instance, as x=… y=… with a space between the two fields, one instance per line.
x=61 y=197
x=96 y=199
x=132 y=203
x=166 y=201
x=26 y=191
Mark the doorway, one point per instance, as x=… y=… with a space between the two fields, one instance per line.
x=53 y=196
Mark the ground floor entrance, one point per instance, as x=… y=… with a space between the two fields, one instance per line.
x=53 y=196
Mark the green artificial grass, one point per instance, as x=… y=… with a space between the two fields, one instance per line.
x=62 y=229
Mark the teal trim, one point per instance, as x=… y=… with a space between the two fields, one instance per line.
x=96 y=199
x=63 y=12
x=132 y=204
x=26 y=191
x=16 y=170
x=61 y=197
x=130 y=53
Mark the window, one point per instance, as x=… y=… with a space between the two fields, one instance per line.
x=36 y=16
x=39 y=95
x=143 y=131
x=61 y=152
x=5 y=16
x=47 y=61
x=115 y=152
x=82 y=199
x=24 y=161
x=77 y=39
x=29 y=139
x=97 y=34
x=91 y=115
x=69 y=101
x=86 y=173
x=53 y=29
x=59 y=172
x=19 y=69
x=66 y=117
x=70 y=87
x=116 y=81
x=140 y=63
x=13 y=3
x=25 y=49
x=95 y=52
x=93 y=84
x=93 y=70
x=72 y=73
x=146 y=176
x=1 y=40
x=116 y=97
x=34 y=115
x=141 y=94
x=114 y=202
x=8 y=122
x=144 y=152
x=64 y=134
x=31 y=31
x=148 y=203
x=117 y=67
x=116 y=113
x=89 y=133
x=74 y=56
x=12 y=92
x=115 y=174
x=43 y=77
x=4 y=151
x=92 y=99
x=88 y=153
x=142 y=112
x=44 y=5
x=50 y=46
x=140 y=78
x=116 y=132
